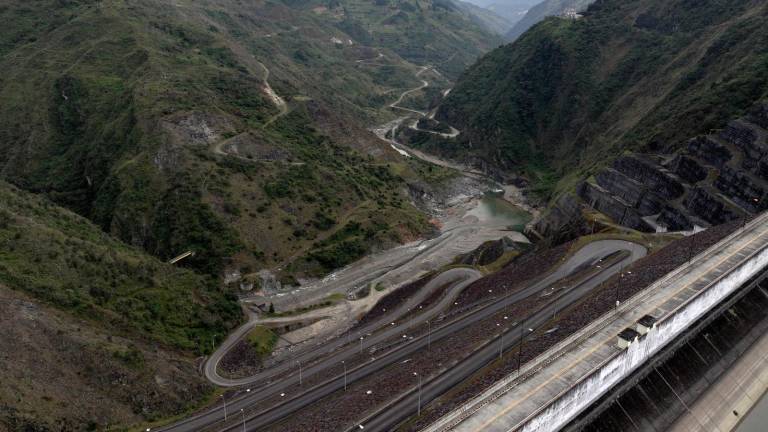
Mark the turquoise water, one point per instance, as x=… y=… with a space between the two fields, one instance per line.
x=496 y=210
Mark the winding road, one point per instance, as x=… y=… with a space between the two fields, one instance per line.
x=276 y=378
x=458 y=278
x=406 y=405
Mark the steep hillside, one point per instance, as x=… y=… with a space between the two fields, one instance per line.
x=95 y=332
x=421 y=31
x=63 y=259
x=237 y=130
x=486 y=17
x=571 y=95
x=511 y=10
x=545 y=9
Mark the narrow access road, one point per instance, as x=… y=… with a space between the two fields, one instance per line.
x=452 y=134
x=424 y=84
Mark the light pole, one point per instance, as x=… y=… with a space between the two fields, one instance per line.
x=361 y=344
x=225 y=407
x=693 y=245
x=501 y=341
x=297 y=361
x=345 y=375
x=522 y=341
x=618 y=285
x=429 y=336
x=418 y=407
x=242 y=411
x=520 y=349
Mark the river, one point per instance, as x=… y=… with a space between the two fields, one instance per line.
x=493 y=209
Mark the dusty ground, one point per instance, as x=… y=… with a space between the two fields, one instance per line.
x=45 y=354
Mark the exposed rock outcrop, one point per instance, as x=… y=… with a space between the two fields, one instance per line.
x=688 y=169
x=674 y=219
x=709 y=151
x=562 y=220
x=652 y=176
x=739 y=186
x=489 y=252
x=709 y=208
x=715 y=179
x=620 y=211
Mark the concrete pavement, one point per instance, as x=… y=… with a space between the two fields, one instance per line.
x=516 y=401
x=247 y=401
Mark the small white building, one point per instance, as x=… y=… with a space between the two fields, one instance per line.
x=627 y=337
x=645 y=324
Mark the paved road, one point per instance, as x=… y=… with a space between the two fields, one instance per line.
x=407 y=405
x=458 y=278
x=588 y=364
x=590 y=254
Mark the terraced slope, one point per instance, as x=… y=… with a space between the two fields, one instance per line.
x=712 y=179
x=570 y=95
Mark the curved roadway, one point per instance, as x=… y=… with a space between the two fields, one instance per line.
x=461 y=278
x=407 y=404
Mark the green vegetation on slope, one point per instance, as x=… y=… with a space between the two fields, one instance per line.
x=262 y=339
x=66 y=261
x=571 y=94
x=435 y=32
x=122 y=112
x=543 y=10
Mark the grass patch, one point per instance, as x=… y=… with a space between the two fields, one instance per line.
x=262 y=339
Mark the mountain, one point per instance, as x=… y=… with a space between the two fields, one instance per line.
x=487 y=18
x=237 y=130
x=135 y=131
x=83 y=315
x=569 y=96
x=545 y=9
x=510 y=10
x=646 y=80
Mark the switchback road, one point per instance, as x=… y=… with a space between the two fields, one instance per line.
x=249 y=402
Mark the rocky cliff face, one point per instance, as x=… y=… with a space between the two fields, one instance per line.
x=716 y=178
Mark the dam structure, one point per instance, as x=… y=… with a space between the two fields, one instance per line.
x=557 y=387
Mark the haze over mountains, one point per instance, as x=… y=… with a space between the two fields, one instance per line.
x=237 y=130
x=133 y=131
x=542 y=10
x=511 y=10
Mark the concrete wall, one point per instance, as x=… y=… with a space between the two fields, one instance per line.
x=572 y=402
